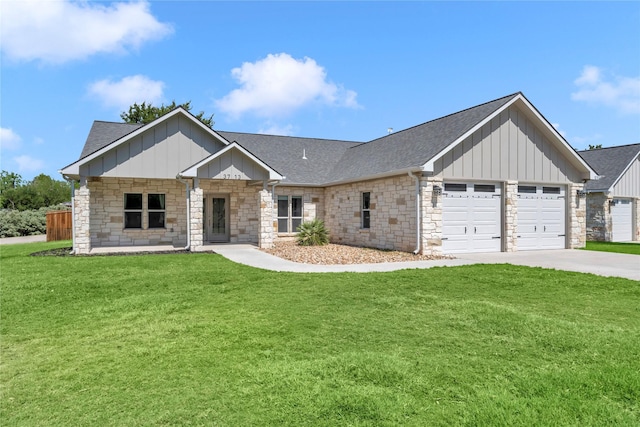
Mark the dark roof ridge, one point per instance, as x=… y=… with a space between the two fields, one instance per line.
x=290 y=136
x=448 y=115
x=607 y=148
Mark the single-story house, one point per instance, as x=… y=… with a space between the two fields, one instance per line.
x=613 y=200
x=494 y=177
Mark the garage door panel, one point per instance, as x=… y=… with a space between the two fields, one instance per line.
x=471 y=220
x=541 y=218
x=621 y=220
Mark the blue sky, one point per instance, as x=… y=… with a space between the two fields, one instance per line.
x=338 y=70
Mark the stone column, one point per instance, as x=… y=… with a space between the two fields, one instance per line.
x=598 y=217
x=265 y=225
x=196 y=219
x=431 y=216
x=511 y=216
x=82 y=219
x=577 y=213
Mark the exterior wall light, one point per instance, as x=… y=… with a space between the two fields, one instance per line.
x=437 y=190
x=581 y=193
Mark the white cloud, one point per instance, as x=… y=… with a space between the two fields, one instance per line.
x=276 y=129
x=279 y=84
x=556 y=126
x=28 y=163
x=121 y=94
x=38 y=140
x=64 y=30
x=618 y=92
x=9 y=140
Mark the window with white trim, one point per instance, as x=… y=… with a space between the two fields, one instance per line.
x=365 y=215
x=289 y=213
x=156 y=210
x=133 y=210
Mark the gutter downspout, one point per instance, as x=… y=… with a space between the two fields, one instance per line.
x=418 y=221
x=73 y=214
x=186 y=186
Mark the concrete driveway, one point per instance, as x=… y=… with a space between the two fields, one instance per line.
x=23 y=239
x=600 y=263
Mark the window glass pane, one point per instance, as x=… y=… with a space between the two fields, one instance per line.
x=282 y=225
x=484 y=188
x=455 y=187
x=551 y=190
x=283 y=206
x=295 y=223
x=526 y=189
x=133 y=201
x=366 y=198
x=366 y=219
x=133 y=220
x=156 y=201
x=296 y=207
x=156 y=219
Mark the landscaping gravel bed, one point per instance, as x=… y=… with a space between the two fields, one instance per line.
x=342 y=254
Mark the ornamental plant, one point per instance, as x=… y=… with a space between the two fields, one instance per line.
x=312 y=233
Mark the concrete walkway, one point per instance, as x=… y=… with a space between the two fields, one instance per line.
x=23 y=239
x=600 y=263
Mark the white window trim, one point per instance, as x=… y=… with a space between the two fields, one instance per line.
x=289 y=217
x=125 y=211
x=164 y=211
x=363 y=210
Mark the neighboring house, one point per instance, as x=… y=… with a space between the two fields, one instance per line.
x=613 y=201
x=495 y=177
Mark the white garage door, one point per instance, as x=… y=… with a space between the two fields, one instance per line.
x=471 y=218
x=541 y=217
x=621 y=228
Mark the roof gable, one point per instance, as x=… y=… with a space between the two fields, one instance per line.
x=610 y=163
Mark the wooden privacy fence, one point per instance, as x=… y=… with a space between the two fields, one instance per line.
x=59 y=225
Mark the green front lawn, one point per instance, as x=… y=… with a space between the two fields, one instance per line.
x=193 y=339
x=623 y=248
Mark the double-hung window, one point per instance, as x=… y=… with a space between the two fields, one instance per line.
x=155 y=208
x=366 y=210
x=289 y=213
x=133 y=210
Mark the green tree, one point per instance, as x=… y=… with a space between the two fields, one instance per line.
x=8 y=181
x=145 y=113
x=42 y=191
x=594 y=147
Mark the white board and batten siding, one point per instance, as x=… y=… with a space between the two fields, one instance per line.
x=160 y=152
x=629 y=183
x=471 y=218
x=233 y=164
x=541 y=217
x=509 y=147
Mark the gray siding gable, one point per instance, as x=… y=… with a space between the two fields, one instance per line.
x=609 y=163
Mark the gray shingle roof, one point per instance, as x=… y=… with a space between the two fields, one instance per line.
x=330 y=161
x=609 y=163
x=104 y=133
x=412 y=147
x=284 y=154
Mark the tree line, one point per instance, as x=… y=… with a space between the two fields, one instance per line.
x=21 y=195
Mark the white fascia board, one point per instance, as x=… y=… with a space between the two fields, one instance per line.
x=74 y=168
x=192 y=172
x=429 y=166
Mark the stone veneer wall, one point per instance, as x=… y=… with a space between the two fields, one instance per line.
x=265 y=230
x=106 y=217
x=598 y=217
x=511 y=216
x=577 y=214
x=393 y=213
x=81 y=219
x=312 y=205
x=244 y=208
x=431 y=217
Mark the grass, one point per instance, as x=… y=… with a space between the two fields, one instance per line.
x=623 y=248
x=197 y=340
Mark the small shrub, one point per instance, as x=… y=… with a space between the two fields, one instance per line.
x=312 y=233
x=14 y=223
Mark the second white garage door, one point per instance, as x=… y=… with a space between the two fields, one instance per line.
x=621 y=228
x=471 y=218
x=541 y=217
